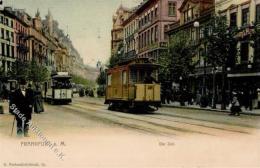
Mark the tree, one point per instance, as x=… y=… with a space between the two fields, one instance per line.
x=221 y=47
x=19 y=70
x=116 y=57
x=177 y=62
x=37 y=73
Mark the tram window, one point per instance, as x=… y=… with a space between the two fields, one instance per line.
x=124 y=77
x=109 y=80
x=141 y=76
x=133 y=76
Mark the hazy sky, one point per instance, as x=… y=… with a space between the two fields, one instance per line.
x=85 y=19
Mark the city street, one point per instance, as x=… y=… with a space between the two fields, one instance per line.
x=86 y=130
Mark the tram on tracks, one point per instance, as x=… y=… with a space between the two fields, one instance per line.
x=133 y=86
x=58 y=89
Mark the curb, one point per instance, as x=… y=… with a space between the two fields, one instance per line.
x=206 y=109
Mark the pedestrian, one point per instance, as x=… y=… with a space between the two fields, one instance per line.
x=22 y=107
x=168 y=95
x=38 y=100
x=235 y=107
x=198 y=97
x=5 y=93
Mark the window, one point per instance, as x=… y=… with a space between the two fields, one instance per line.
x=6 y=21
x=233 y=19
x=109 y=77
x=257 y=51
x=13 y=51
x=202 y=32
x=172 y=9
x=133 y=76
x=244 y=52
x=245 y=16
x=156 y=33
x=7 y=35
x=155 y=12
x=12 y=37
x=124 y=78
x=2 y=33
x=8 y=50
x=12 y=24
x=3 y=49
x=258 y=13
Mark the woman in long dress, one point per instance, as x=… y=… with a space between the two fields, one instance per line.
x=38 y=103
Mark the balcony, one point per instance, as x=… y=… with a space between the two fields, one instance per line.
x=130 y=55
x=22 y=48
x=150 y=47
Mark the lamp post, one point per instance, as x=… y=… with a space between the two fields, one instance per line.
x=214 y=88
x=229 y=84
x=1 y=107
x=181 y=92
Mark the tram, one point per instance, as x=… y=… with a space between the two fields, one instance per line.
x=58 y=89
x=126 y=87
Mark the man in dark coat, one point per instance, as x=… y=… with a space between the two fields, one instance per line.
x=22 y=107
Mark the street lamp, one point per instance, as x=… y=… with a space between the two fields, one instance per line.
x=181 y=92
x=214 y=88
x=229 y=83
x=196 y=24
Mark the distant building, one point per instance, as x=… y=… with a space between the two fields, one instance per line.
x=7 y=40
x=117 y=32
x=22 y=27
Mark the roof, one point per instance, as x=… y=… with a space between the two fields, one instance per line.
x=144 y=5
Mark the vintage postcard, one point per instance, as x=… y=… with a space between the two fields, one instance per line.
x=130 y=83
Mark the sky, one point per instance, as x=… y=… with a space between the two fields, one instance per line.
x=83 y=20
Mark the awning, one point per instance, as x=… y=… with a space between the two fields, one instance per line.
x=61 y=77
x=145 y=65
x=244 y=75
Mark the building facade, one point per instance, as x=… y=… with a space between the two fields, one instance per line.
x=195 y=15
x=7 y=40
x=154 y=17
x=117 y=32
x=21 y=28
x=244 y=76
x=131 y=37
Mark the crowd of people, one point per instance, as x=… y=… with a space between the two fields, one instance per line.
x=235 y=100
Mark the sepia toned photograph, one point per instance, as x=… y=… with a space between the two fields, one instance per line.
x=130 y=83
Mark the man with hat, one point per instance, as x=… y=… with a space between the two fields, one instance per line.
x=22 y=105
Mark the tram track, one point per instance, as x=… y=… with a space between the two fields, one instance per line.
x=189 y=122
x=91 y=114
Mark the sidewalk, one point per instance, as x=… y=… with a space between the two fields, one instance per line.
x=254 y=112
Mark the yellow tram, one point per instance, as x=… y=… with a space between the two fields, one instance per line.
x=128 y=88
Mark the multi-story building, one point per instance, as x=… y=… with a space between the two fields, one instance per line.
x=154 y=17
x=21 y=28
x=195 y=14
x=244 y=76
x=7 y=40
x=117 y=32
x=131 y=36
